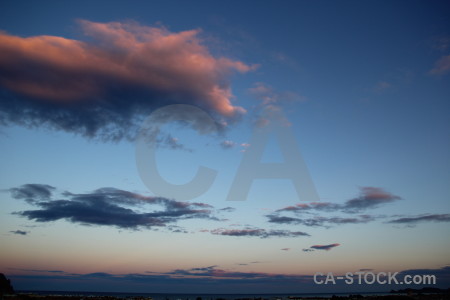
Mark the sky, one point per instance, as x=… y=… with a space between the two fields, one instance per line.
x=217 y=146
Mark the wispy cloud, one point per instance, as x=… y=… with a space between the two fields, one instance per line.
x=109 y=207
x=270 y=102
x=227 y=144
x=212 y=278
x=38 y=270
x=306 y=213
x=442 y=66
x=101 y=87
x=441 y=43
x=320 y=221
x=170 y=142
x=201 y=278
x=325 y=247
x=258 y=232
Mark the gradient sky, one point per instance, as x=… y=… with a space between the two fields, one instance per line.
x=364 y=87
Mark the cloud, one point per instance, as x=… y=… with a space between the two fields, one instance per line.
x=113 y=207
x=324 y=247
x=258 y=232
x=32 y=192
x=101 y=87
x=307 y=250
x=227 y=209
x=270 y=101
x=442 y=66
x=412 y=220
x=244 y=146
x=442 y=274
x=249 y=263
x=320 y=221
x=320 y=247
x=441 y=43
x=217 y=273
x=381 y=86
x=38 y=271
x=202 y=277
x=370 y=198
x=283 y=220
x=267 y=95
x=171 y=142
x=19 y=232
x=211 y=279
x=227 y=144
x=307 y=213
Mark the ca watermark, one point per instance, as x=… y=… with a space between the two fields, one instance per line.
x=369 y=278
x=292 y=168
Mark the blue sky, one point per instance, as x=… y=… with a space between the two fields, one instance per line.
x=363 y=86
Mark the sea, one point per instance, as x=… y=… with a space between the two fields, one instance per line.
x=168 y=296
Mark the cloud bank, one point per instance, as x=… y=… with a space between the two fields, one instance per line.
x=370 y=197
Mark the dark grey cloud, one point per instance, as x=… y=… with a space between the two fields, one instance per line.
x=258 y=232
x=370 y=197
x=169 y=142
x=412 y=220
x=442 y=274
x=103 y=86
x=320 y=247
x=19 y=232
x=112 y=207
x=227 y=144
x=32 y=192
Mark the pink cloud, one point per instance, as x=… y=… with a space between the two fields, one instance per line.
x=160 y=66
